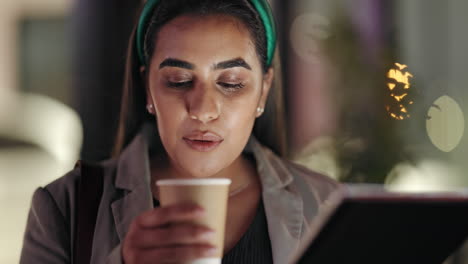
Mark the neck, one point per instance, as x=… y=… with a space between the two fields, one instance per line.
x=242 y=173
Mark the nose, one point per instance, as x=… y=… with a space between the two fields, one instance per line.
x=203 y=104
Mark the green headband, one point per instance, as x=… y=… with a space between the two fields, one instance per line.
x=263 y=10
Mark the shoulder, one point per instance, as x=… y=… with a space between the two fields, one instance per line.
x=321 y=183
x=62 y=191
x=302 y=178
x=49 y=226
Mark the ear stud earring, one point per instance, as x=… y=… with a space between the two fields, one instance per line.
x=150 y=108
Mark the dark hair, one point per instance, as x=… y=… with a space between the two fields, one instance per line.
x=269 y=129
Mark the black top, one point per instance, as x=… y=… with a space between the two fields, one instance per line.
x=254 y=247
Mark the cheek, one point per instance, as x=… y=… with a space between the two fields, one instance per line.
x=239 y=122
x=240 y=119
x=169 y=116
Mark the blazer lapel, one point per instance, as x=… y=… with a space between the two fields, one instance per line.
x=283 y=204
x=284 y=217
x=129 y=207
x=132 y=178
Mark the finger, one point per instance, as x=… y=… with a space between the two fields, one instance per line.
x=175 y=254
x=177 y=234
x=165 y=215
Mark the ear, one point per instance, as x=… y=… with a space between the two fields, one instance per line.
x=266 y=86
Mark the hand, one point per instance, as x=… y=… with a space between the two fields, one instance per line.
x=164 y=235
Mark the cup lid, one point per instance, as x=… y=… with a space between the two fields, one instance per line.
x=201 y=181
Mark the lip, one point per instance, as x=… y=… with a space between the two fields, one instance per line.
x=203 y=141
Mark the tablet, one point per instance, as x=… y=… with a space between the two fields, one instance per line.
x=371 y=225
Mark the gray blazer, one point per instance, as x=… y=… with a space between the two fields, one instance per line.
x=292 y=197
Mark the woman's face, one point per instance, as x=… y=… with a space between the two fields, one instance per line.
x=205 y=82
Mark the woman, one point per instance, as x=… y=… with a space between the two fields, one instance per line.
x=198 y=79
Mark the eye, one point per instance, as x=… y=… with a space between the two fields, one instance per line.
x=179 y=85
x=232 y=86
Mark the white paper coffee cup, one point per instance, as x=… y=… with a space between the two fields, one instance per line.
x=209 y=193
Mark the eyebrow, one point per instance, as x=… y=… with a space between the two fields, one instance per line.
x=238 y=62
x=170 y=62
